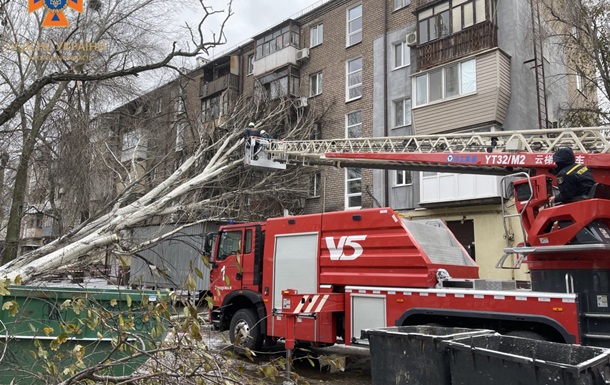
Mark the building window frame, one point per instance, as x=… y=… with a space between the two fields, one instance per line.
x=315 y=185
x=316 y=35
x=250 y=64
x=402 y=55
x=180 y=133
x=580 y=81
x=353 y=25
x=448 y=82
x=398 y=4
x=402 y=113
x=315 y=84
x=353 y=124
x=449 y=17
x=403 y=178
x=353 y=188
x=353 y=79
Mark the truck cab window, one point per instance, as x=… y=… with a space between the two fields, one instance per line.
x=248 y=242
x=229 y=244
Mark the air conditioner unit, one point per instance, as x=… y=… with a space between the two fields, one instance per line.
x=411 y=38
x=303 y=54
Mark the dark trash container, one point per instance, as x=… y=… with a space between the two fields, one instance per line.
x=497 y=359
x=412 y=354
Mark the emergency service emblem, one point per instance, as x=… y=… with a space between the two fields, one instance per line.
x=55 y=10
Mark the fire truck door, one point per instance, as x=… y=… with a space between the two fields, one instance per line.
x=249 y=279
x=228 y=273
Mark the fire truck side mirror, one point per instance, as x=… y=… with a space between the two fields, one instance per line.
x=208 y=244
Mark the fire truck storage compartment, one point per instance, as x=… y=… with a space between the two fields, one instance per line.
x=501 y=359
x=296 y=265
x=413 y=354
x=368 y=312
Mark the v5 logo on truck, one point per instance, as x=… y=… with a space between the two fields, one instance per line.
x=337 y=251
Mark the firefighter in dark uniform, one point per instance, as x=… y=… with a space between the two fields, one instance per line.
x=574 y=180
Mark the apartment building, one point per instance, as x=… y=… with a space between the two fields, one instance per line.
x=400 y=67
x=385 y=68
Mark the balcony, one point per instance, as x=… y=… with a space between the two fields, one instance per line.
x=479 y=37
x=217 y=85
x=279 y=59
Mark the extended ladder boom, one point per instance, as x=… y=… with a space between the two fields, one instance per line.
x=498 y=152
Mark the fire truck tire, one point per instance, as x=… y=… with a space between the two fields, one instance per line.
x=527 y=334
x=245 y=331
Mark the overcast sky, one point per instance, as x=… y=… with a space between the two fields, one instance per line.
x=254 y=16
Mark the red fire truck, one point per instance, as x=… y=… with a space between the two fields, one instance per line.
x=326 y=277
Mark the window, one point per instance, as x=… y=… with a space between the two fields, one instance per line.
x=353 y=188
x=354 y=79
x=402 y=113
x=316 y=35
x=354 y=124
x=250 y=64
x=134 y=145
x=465 y=14
x=279 y=84
x=402 y=178
x=159 y=106
x=315 y=185
x=316 y=132
x=354 y=25
x=229 y=244
x=401 y=3
x=315 y=84
x=180 y=136
x=433 y=23
x=580 y=81
x=353 y=176
x=450 y=81
x=441 y=20
x=248 y=242
x=402 y=55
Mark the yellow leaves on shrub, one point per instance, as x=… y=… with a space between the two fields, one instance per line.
x=12 y=307
x=58 y=341
x=48 y=331
x=4 y=288
x=78 y=353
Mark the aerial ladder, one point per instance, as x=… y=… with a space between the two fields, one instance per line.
x=490 y=153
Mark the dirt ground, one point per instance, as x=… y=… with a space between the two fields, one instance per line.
x=337 y=365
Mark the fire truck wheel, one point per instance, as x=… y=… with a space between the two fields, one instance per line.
x=527 y=334
x=245 y=330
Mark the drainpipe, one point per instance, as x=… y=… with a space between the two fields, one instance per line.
x=386 y=173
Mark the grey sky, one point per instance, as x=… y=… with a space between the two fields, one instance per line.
x=254 y=16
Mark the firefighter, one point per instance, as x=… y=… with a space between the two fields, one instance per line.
x=574 y=180
x=251 y=131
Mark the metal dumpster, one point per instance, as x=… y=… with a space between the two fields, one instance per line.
x=412 y=354
x=33 y=319
x=496 y=359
